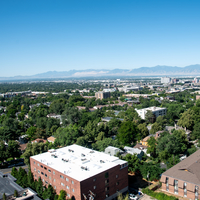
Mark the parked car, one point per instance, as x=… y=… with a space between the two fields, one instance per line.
x=133 y=197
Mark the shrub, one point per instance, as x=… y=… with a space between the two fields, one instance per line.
x=158 y=195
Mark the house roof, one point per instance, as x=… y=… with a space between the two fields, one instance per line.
x=51 y=138
x=146 y=138
x=187 y=170
x=22 y=147
x=38 y=140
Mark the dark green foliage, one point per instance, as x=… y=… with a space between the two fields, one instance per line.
x=133 y=162
x=15 y=193
x=127 y=133
x=151 y=171
x=4 y=196
x=102 y=144
x=67 y=136
x=14 y=172
x=39 y=187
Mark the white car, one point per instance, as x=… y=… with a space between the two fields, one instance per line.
x=133 y=197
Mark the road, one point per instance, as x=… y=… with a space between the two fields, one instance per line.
x=8 y=170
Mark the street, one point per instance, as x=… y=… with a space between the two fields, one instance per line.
x=8 y=170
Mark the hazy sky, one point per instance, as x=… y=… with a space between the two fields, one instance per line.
x=43 y=35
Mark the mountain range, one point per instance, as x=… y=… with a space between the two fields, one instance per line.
x=191 y=70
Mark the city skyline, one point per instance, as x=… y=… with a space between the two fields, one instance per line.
x=40 y=36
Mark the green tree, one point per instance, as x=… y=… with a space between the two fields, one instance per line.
x=15 y=193
x=187 y=119
x=127 y=133
x=150 y=117
x=31 y=132
x=62 y=195
x=102 y=144
x=133 y=162
x=13 y=149
x=14 y=172
x=152 y=146
x=155 y=127
x=39 y=187
x=3 y=155
x=4 y=196
x=143 y=131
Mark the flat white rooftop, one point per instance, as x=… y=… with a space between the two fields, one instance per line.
x=78 y=162
x=153 y=108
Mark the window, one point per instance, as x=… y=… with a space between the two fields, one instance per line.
x=53 y=172
x=61 y=176
x=72 y=182
x=72 y=190
x=46 y=182
x=116 y=176
x=54 y=187
x=42 y=173
x=49 y=170
x=67 y=187
x=94 y=179
x=62 y=184
x=167 y=184
x=34 y=169
x=196 y=192
x=41 y=166
x=54 y=180
x=34 y=162
x=185 y=189
x=117 y=183
x=42 y=180
x=45 y=175
x=67 y=179
x=35 y=175
x=50 y=177
x=106 y=175
x=38 y=165
x=107 y=189
x=176 y=186
x=95 y=187
x=107 y=195
x=68 y=195
x=45 y=168
x=106 y=181
x=38 y=171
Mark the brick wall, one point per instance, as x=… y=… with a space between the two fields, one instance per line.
x=117 y=180
x=190 y=195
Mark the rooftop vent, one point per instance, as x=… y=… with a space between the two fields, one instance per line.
x=85 y=168
x=91 y=151
x=70 y=150
x=65 y=160
x=101 y=161
x=82 y=154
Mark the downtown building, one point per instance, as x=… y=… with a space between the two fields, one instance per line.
x=102 y=95
x=83 y=173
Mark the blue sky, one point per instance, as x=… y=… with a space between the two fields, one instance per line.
x=43 y=35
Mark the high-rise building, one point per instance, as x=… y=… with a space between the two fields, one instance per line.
x=165 y=80
x=83 y=173
x=102 y=95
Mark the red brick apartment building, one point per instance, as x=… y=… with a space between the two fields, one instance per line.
x=183 y=179
x=83 y=173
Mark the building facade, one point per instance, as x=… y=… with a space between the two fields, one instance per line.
x=165 y=80
x=83 y=173
x=102 y=95
x=157 y=111
x=183 y=179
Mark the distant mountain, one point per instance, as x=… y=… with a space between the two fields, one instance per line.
x=192 y=70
